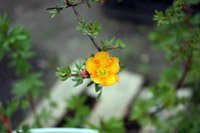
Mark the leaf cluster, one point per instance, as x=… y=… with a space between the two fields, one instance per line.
x=91 y=29
x=77 y=105
x=9 y=108
x=15 y=41
x=113 y=43
x=177 y=35
x=31 y=83
x=15 y=44
x=76 y=74
x=63 y=72
x=80 y=66
x=69 y=3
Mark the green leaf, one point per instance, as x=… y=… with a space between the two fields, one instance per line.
x=90 y=83
x=78 y=80
x=98 y=87
x=99 y=94
x=54 y=12
x=91 y=29
x=11 y=107
x=81 y=110
x=4 y=24
x=113 y=42
x=20 y=65
x=63 y=72
x=120 y=44
x=18 y=33
x=24 y=104
x=30 y=83
x=25 y=128
x=110 y=126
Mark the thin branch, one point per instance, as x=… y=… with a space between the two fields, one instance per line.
x=33 y=109
x=6 y=122
x=80 y=21
x=111 y=48
x=30 y=96
x=188 y=62
x=73 y=75
x=83 y=74
x=66 y=6
x=186 y=68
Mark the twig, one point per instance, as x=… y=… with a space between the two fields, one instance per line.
x=66 y=75
x=6 y=122
x=186 y=69
x=111 y=48
x=66 y=6
x=188 y=62
x=80 y=21
x=33 y=109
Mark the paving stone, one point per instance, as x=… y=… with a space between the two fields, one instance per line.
x=115 y=99
x=60 y=92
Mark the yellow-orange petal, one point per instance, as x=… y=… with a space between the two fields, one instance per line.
x=102 y=58
x=90 y=65
x=102 y=55
x=110 y=80
x=114 y=67
x=95 y=79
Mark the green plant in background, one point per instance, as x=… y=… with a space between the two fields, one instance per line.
x=178 y=35
x=78 y=111
x=6 y=113
x=113 y=125
x=15 y=44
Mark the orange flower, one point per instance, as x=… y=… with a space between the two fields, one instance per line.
x=103 y=69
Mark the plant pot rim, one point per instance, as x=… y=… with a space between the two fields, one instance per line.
x=61 y=130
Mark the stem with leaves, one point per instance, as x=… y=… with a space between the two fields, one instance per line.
x=80 y=21
x=186 y=64
x=30 y=97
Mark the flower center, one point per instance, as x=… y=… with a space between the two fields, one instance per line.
x=102 y=72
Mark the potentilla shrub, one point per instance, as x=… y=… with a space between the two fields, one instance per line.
x=177 y=34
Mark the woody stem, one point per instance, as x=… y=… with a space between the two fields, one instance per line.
x=80 y=21
x=33 y=109
x=6 y=122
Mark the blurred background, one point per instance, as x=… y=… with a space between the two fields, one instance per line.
x=57 y=43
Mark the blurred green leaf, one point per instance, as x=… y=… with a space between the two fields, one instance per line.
x=63 y=72
x=113 y=125
x=91 y=29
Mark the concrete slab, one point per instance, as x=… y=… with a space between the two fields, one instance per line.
x=60 y=92
x=115 y=99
